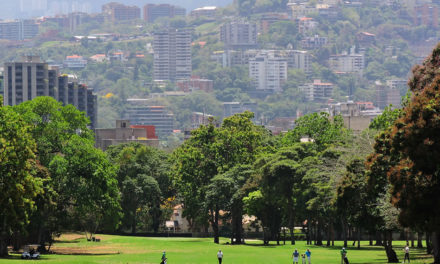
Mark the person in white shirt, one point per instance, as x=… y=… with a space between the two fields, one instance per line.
x=406 y=249
x=220 y=256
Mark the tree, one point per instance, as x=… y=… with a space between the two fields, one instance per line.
x=411 y=149
x=18 y=186
x=143 y=180
x=88 y=186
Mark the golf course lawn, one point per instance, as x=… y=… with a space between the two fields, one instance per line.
x=73 y=248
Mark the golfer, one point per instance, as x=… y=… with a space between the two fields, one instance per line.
x=406 y=249
x=220 y=256
x=164 y=258
x=309 y=256
x=295 y=256
x=344 y=258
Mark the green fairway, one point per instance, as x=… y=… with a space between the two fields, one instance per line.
x=118 y=249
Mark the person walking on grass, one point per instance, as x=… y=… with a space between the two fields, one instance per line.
x=309 y=256
x=344 y=259
x=295 y=256
x=303 y=257
x=220 y=256
x=406 y=250
x=164 y=258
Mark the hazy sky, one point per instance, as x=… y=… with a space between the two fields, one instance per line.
x=33 y=8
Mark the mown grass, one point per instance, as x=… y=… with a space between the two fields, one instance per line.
x=73 y=248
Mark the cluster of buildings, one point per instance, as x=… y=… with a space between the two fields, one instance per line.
x=26 y=79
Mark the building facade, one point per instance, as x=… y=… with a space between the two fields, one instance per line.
x=139 y=113
x=348 y=63
x=195 y=84
x=25 y=80
x=239 y=34
x=115 y=12
x=172 y=54
x=209 y=12
x=126 y=133
x=268 y=72
x=317 y=91
x=18 y=29
x=153 y=11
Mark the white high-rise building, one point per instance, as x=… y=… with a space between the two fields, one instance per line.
x=348 y=63
x=268 y=72
x=172 y=54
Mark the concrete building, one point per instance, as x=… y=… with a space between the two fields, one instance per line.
x=125 y=133
x=18 y=29
x=300 y=10
x=239 y=34
x=427 y=15
x=232 y=108
x=75 y=62
x=268 y=72
x=387 y=95
x=315 y=42
x=306 y=25
x=354 y=115
x=154 y=11
x=172 y=54
x=25 y=80
x=299 y=59
x=139 y=113
x=115 y=12
x=195 y=84
x=317 y=91
x=209 y=12
x=348 y=63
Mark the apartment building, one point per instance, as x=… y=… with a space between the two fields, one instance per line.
x=208 y=12
x=426 y=14
x=232 y=108
x=317 y=91
x=315 y=42
x=124 y=132
x=115 y=12
x=29 y=78
x=195 y=84
x=75 y=62
x=387 y=94
x=140 y=113
x=155 y=11
x=268 y=72
x=348 y=62
x=172 y=54
x=239 y=34
x=18 y=29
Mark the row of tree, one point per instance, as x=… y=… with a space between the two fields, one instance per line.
x=319 y=175
x=52 y=178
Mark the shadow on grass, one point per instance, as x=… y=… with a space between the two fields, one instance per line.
x=86 y=254
x=67 y=241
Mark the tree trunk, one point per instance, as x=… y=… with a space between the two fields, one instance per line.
x=411 y=237
x=419 y=240
x=291 y=226
x=370 y=237
x=237 y=225
x=359 y=237
x=308 y=237
x=329 y=232
x=388 y=244
x=133 y=222
x=436 y=246
x=319 y=234
x=428 y=243
x=214 y=223
x=344 y=232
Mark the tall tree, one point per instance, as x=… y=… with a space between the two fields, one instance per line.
x=18 y=186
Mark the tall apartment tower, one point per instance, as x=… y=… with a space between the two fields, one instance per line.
x=239 y=34
x=18 y=29
x=25 y=80
x=153 y=11
x=119 y=12
x=172 y=54
x=268 y=72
